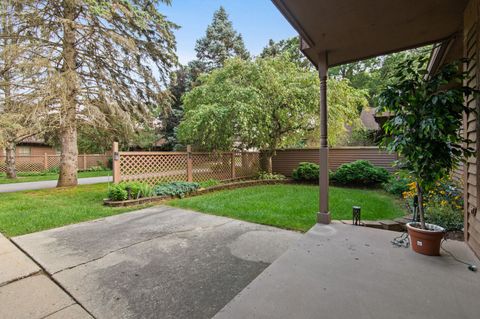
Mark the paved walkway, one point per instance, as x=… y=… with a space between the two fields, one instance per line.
x=159 y=262
x=26 y=292
x=343 y=271
x=17 y=187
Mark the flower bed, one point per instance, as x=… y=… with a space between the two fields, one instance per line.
x=201 y=191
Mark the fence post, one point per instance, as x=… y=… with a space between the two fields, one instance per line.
x=45 y=161
x=116 y=163
x=233 y=165
x=189 y=164
x=84 y=161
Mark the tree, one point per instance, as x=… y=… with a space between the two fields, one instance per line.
x=264 y=104
x=109 y=57
x=23 y=105
x=344 y=107
x=290 y=47
x=220 y=43
x=373 y=74
x=426 y=121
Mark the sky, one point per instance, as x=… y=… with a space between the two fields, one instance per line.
x=257 y=21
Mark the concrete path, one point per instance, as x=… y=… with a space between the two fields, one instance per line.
x=26 y=292
x=17 y=187
x=159 y=262
x=343 y=271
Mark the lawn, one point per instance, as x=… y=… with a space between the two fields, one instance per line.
x=32 y=211
x=29 y=177
x=292 y=206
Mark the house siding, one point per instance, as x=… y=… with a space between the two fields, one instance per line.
x=471 y=127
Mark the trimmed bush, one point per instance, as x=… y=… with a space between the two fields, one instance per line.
x=360 y=173
x=176 y=189
x=306 y=172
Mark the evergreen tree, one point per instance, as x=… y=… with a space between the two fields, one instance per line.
x=220 y=43
x=290 y=47
x=110 y=59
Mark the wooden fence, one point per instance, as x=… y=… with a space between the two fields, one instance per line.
x=158 y=167
x=285 y=161
x=40 y=163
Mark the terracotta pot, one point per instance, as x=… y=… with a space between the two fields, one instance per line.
x=426 y=241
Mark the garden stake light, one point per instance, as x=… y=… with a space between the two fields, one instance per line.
x=356 y=215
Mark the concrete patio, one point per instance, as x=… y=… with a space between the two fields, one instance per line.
x=344 y=271
x=159 y=262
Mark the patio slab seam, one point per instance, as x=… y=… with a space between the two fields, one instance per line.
x=135 y=244
x=50 y=277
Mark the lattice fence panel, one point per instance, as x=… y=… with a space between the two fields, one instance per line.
x=153 y=168
x=2 y=164
x=53 y=161
x=29 y=163
x=247 y=164
x=208 y=166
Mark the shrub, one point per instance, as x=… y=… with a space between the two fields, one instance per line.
x=445 y=192
x=176 y=189
x=361 y=173
x=445 y=216
x=265 y=175
x=209 y=183
x=119 y=192
x=398 y=183
x=306 y=172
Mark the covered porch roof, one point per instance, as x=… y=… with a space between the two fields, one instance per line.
x=352 y=30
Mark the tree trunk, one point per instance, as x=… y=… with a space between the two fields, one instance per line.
x=68 y=126
x=420 y=205
x=11 y=170
x=266 y=162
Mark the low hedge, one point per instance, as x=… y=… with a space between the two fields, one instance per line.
x=360 y=173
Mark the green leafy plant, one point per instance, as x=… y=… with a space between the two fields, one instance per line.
x=210 y=183
x=306 y=172
x=176 y=189
x=398 y=183
x=265 y=175
x=129 y=190
x=447 y=217
x=425 y=121
x=360 y=173
x=117 y=192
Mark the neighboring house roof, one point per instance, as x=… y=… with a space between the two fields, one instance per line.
x=368 y=118
x=33 y=140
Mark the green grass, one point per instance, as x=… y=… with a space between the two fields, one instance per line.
x=292 y=206
x=29 y=177
x=32 y=211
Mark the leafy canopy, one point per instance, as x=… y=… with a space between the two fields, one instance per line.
x=426 y=119
x=267 y=103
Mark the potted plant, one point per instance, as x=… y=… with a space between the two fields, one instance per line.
x=424 y=128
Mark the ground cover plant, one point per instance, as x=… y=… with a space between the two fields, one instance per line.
x=292 y=206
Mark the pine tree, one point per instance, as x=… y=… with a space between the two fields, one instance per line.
x=110 y=59
x=24 y=107
x=220 y=43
